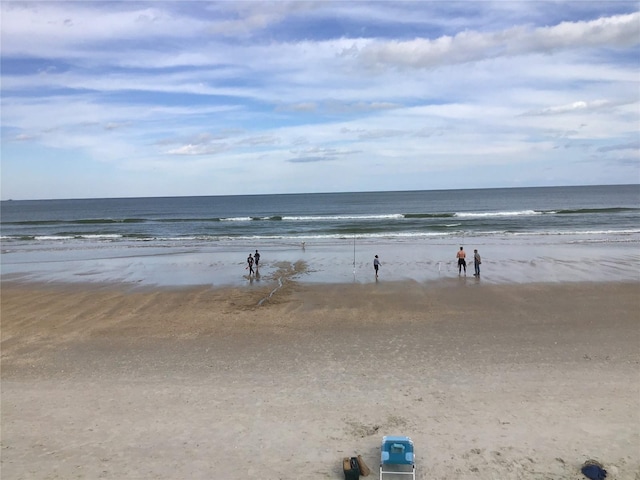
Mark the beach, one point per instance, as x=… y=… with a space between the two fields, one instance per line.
x=281 y=380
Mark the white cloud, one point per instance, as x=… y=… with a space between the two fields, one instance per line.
x=469 y=46
x=579 y=105
x=50 y=28
x=202 y=149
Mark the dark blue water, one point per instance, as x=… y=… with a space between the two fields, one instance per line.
x=590 y=211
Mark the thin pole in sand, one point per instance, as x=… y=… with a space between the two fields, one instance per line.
x=354 y=255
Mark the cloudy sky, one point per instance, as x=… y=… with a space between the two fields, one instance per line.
x=125 y=98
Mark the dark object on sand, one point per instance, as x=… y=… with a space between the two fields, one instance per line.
x=351 y=468
x=593 y=470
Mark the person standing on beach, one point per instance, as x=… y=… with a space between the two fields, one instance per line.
x=250 y=266
x=256 y=257
x=376 y=264
x=462 y=263
x=476 y=263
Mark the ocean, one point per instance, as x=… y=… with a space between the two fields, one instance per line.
x=205 y=240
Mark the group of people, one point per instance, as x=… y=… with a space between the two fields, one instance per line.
x=253 y=260
x=462 y=262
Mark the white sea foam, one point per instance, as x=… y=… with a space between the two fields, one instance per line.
x=98 y=236
x=321 y=218
x=236 y=219
x=576 y=232
x=53 y=238
x=518 y=213
x=452 y=233
x=316 y=218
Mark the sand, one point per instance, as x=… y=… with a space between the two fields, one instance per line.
x=490 y=381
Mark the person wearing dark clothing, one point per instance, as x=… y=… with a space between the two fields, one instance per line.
x=250 y=264
x=256 y=258
x=376 y=265
x=476 y=262
x=462 y=263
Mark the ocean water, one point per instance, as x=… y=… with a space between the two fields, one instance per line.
x=524 y=234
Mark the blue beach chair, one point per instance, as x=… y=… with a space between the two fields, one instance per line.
x=397 y=457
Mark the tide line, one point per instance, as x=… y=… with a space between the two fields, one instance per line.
x=280 y=284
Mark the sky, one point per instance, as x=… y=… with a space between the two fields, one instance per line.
x=133 y=99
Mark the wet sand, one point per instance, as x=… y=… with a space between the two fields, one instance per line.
x=518 y=259
x=281 y=381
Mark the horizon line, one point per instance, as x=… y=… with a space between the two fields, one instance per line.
x=323 y=193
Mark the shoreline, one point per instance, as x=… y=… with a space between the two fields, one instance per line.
x=506 y=261
x=522 y=381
